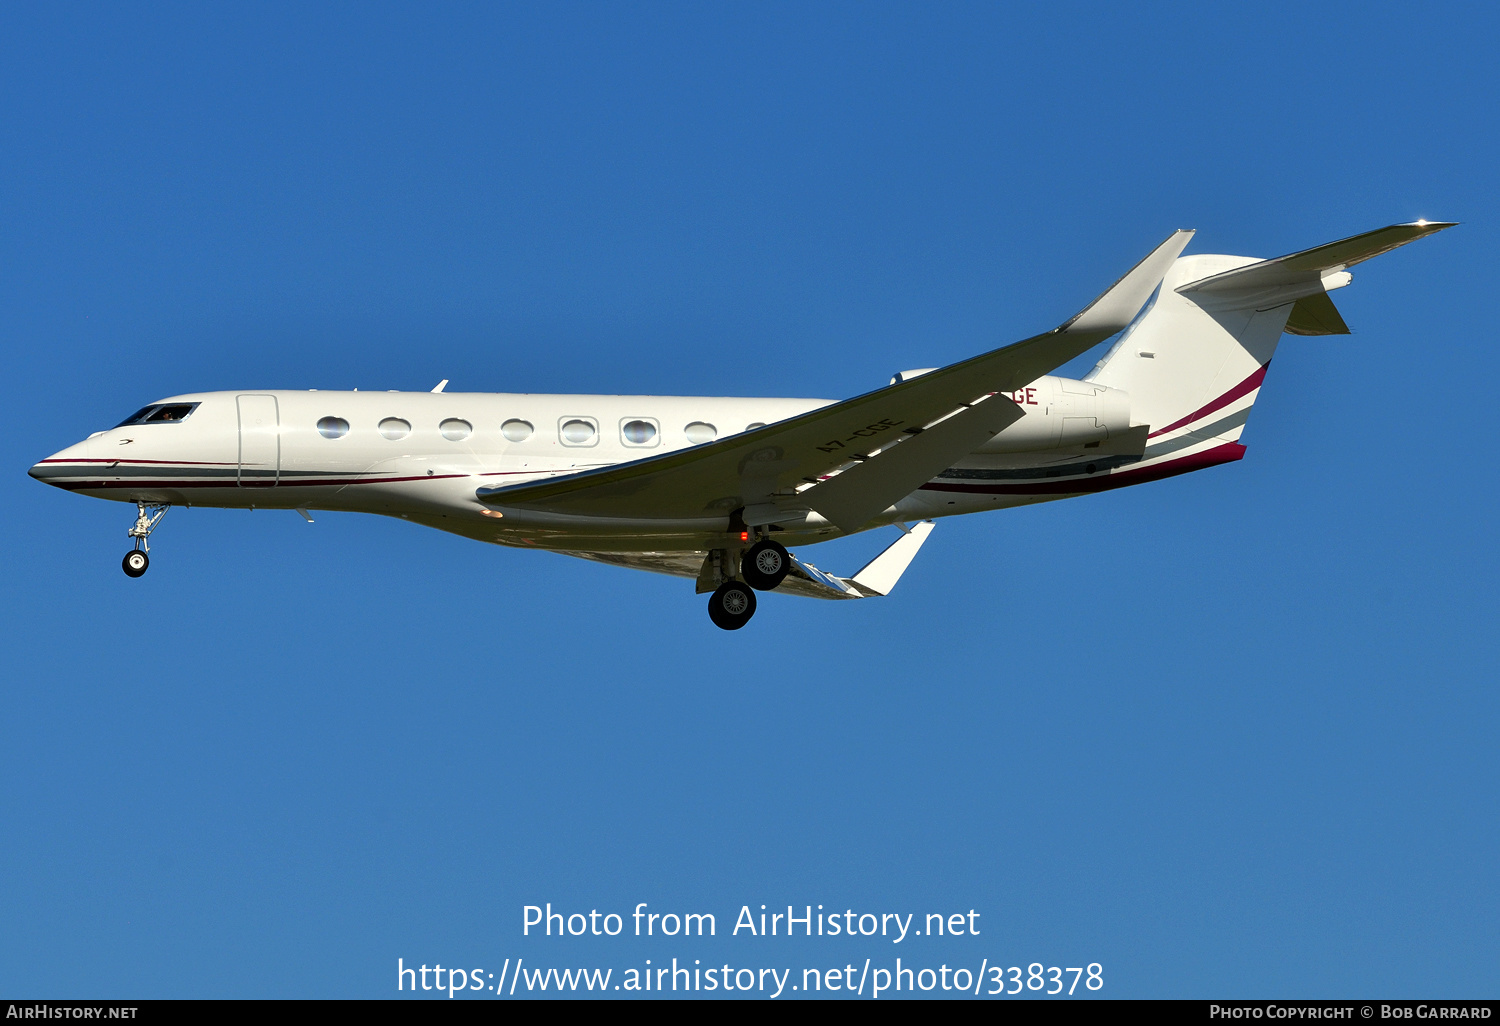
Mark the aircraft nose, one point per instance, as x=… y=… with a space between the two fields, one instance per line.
x=48 y=470
x=61 y=464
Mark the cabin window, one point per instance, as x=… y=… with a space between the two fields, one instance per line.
x=638 y=432
x=516 y=430
x=698 y=432
x=394 y=428
x=455 y=430
x=333 y=427
x=162 y=413
x=578 y=431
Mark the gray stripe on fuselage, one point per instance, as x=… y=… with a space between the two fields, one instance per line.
x=1197 y=436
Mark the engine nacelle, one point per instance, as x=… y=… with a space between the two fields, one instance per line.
x=1062 y=413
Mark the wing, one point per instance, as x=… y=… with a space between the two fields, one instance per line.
x=761 y=472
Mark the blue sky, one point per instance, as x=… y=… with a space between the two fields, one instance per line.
x=1232 y=734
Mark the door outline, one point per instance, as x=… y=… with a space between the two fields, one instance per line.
x=275 y=411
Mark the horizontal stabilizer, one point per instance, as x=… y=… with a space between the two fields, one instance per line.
x=1312 y=265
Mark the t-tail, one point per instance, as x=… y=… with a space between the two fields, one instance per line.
x=1195 y=360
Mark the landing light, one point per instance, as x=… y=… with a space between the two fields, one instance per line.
x=491 y=513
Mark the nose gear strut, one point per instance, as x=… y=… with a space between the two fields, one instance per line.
x=148 y=516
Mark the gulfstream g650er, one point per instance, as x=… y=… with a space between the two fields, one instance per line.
x=715 y=489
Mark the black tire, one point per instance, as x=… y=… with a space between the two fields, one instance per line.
x=135 y=563
x=765 y=565
x=732 y=606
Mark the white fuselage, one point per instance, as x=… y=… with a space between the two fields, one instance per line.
x=264 y=449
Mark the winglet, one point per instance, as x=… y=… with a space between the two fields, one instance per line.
x=880 y=575
x=1116 y=308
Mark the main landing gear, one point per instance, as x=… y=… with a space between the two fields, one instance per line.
x=762 y=568
x=731 y=606
x=136 y=560
x=765 y=565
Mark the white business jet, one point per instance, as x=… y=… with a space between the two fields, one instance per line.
x=716 y=488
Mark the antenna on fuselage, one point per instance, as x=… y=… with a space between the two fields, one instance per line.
x=441 y=385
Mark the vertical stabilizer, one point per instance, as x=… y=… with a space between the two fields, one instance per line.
x=1194 y=362
x=1191 y=355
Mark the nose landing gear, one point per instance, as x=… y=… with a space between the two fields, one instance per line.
x=147 y=517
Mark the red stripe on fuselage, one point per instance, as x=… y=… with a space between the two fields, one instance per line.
x=164 y=463
x=254 y=482
x=1245 y=387
x=200 y=463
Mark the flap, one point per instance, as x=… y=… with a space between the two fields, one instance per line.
x=862 y=492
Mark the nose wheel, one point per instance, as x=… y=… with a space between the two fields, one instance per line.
x=147 y=517
x=731 y=606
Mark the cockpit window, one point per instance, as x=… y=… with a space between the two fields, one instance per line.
x=169 y=413
x=166 y=413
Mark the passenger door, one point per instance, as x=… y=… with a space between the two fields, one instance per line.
x=260 y=441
